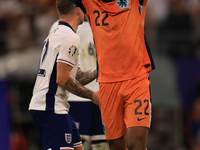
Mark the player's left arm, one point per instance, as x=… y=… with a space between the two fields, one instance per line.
x=87 y=76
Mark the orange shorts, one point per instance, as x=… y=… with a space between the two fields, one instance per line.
x=125 y=104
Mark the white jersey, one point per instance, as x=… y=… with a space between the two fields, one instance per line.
x=62 y=45
x=87 y=57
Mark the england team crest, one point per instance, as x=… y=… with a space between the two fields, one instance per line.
x=68 y=138
x=72 y=50
x=122 y=3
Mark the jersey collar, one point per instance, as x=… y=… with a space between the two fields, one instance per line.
x=65 y=24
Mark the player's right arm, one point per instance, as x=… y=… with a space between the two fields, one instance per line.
x=69 y=83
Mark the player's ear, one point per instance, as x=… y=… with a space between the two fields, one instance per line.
x=78 y=10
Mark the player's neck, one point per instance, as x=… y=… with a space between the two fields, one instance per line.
x=72 y=22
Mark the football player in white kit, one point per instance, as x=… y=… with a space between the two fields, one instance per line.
x=56 y=78
x=85 y=113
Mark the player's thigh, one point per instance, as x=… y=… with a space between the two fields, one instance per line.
x=138 y=105
x=112 y=110
x=137 y=137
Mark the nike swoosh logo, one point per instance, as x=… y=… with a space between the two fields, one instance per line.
x=139 y=119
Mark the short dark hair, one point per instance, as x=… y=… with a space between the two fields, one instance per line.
x=64 y=6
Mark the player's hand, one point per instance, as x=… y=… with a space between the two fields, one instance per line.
x=95 y=98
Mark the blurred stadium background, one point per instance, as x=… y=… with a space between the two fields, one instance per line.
x=173 y=32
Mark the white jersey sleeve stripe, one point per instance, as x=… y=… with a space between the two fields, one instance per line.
x=65 y=61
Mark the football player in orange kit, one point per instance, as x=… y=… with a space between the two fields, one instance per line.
x=124 y=62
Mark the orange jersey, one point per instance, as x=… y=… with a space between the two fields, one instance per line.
x=118 y=30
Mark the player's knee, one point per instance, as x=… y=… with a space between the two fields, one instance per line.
x=118 y=144
x=137 y=144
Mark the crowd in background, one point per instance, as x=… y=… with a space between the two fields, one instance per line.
x=172 y=29
x=176 y=23
x=25 y=23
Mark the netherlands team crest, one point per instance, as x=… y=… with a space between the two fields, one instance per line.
x=68 y=138
x=72 y=50
x=122 y=3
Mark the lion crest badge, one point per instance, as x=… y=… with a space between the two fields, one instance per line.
x=122 y=3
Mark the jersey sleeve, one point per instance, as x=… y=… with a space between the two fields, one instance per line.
x=68 y=50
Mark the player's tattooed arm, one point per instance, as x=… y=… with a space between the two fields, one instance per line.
x=65 y=80
x=73 y=86
x=86 y=77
